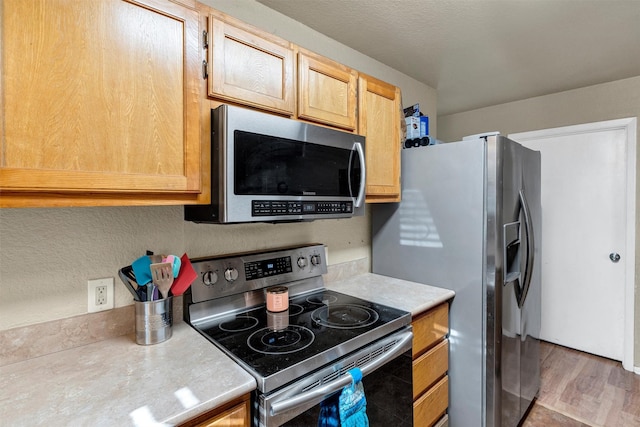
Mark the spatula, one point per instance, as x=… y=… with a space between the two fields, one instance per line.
x=162 y=273
x=186 y=276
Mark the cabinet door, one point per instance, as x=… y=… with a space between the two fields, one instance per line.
x=326 y=91
x=99 y=98
x=379 y=121
x=249 y=66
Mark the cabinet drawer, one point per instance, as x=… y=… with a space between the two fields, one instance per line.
x=430 y=367
x=432 y=405
x=231 y=414
x=236 y=416
x=429 y=328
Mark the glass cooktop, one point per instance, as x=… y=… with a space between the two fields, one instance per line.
x=317 y=328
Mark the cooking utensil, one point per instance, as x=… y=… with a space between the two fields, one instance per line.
x=129 y=280
x=141 y=270
x=175 y=262
x=150 y=288
x=185 y=278
x=155 y=258
x=162 y=273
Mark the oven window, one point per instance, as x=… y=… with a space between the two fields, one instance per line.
x=271 y=166
x=389 y=394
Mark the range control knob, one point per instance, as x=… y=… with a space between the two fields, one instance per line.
x=315 y=259
x=231 y=274
x=210 y=278
x=302 y=262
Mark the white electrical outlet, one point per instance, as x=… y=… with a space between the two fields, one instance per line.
x=100 y=294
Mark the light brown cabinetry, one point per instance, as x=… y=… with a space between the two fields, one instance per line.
x=379 y=121
x=430 y=366
x=233 y=414
x=326 y=91
x=249 y=66
x=100 y=103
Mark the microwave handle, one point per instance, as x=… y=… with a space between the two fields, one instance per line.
x=363 y=175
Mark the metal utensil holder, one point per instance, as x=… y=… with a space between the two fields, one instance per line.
x=154 y=319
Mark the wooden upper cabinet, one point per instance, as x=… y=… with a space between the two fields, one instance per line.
x=379 y=121
x=250 y=66
x=100 y=103
x=326 y=91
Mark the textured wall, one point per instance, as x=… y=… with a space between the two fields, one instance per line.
x=613 y=100
x=608 y=101
x=47 y=255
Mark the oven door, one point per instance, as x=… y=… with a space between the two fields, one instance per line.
x=387 y=379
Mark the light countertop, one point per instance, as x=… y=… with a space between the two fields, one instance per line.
x=118 y=382
x=404 y=295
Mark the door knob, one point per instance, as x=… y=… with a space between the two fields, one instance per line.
x=614 y=257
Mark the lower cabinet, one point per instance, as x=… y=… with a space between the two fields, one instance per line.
x=430 y=366
x=233 y=414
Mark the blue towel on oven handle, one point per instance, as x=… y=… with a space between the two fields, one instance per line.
x=352 y=403
x=329 y=416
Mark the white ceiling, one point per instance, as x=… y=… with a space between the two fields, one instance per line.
x=478 y=53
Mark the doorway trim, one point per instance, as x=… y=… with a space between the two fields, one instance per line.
x=629 y=126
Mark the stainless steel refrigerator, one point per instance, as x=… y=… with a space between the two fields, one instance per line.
x=469 y=221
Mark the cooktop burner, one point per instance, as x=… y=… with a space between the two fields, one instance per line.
x=289 y=340
x=322 y=298
x=344 y=316
x=295 y=309
x=239 y=324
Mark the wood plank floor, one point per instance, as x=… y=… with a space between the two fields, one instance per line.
x=580 y=390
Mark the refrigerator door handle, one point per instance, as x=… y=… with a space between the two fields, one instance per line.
x=528 y=268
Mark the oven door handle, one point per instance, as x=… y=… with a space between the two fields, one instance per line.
x=344 y=380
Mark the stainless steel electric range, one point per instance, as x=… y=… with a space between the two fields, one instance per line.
x=270 y=312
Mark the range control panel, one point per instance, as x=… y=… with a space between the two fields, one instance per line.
x=267 y=267
x=234 y=274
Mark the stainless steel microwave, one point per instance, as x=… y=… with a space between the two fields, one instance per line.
x=266 y=168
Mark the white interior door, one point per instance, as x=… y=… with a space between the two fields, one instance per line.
x=588 y=235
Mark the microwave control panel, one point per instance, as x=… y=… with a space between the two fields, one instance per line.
x=285 y=207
